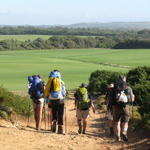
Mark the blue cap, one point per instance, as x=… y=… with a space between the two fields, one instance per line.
x=55 y=74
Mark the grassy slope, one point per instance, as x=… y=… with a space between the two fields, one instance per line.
x=23 y=37
x=75 y=65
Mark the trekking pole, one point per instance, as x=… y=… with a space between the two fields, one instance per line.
x=132 y=110
x=48 y=117
x=65 y=118
x=29 y=108
x=45 y=115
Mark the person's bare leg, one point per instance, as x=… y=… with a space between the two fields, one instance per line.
x=117 y=130
x=110 y=125
x=35 y=116
x=124 y=131
x=80 y=126
x=84 y=125
x=39 y=115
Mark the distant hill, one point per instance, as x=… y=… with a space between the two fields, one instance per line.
x=99 y=25
x=113 y=25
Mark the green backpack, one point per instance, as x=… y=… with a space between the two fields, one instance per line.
x=82 y=98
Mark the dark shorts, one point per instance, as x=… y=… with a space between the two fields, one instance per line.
x=57 y=111
x=49 y=105
x=121 y=113
x=52 y=101
x=39 y=101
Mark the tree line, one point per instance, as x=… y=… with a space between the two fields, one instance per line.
x=64 y=42
x=17 y=30
x=72 y=38
x=57 y=42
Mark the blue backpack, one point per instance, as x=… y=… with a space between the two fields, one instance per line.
x=36 y=87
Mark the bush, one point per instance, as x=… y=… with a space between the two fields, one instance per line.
x=142 y=92
x=138 y=75
x=139 y=79
x=19 y=105
x=100 y=102
x=146 y=121
x=3 y=114
x=99 y=80
x=135 y=114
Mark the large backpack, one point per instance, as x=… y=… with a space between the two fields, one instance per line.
x=83 y=102
x=120 y=95
x=30 y=80
x=54 y=86
x=36 y=88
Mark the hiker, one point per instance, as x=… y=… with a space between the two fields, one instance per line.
x=82 y=105
x=36 y=92
x=108 y=100
x=55 y=92
x=123 y=96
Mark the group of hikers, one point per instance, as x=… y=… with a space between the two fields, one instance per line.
x=53 y=93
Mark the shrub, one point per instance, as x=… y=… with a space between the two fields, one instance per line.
x=100 y=102
x=142 y=93
x=3 y=114
x=146 y=121
x=19 y=105
x=138 y=75
x=99 y=80
x=135 y=115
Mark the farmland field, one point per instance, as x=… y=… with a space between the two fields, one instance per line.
x=23 y=37
x=75 y=65
x=29 y=37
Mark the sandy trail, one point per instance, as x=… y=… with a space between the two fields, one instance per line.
x=96 y=138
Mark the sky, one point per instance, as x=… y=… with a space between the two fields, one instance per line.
x=65 y=12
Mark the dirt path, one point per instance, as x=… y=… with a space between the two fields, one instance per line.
x=27 y=138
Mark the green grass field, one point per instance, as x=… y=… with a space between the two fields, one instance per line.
x=23 y=37
x=76 y=65
x=29 y=37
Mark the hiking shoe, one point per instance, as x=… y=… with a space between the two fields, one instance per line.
x=118 y=138
x=124 y=137
x=111 y=132
x=60 y=129
x=54 y=126
x=83 y=132
x=80 y=129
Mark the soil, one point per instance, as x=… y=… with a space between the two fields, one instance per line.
x=19 y=136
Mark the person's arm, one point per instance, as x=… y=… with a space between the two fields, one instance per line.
x=132 y=96
x=75 y=101
x=64 y=93
x=93 y=107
